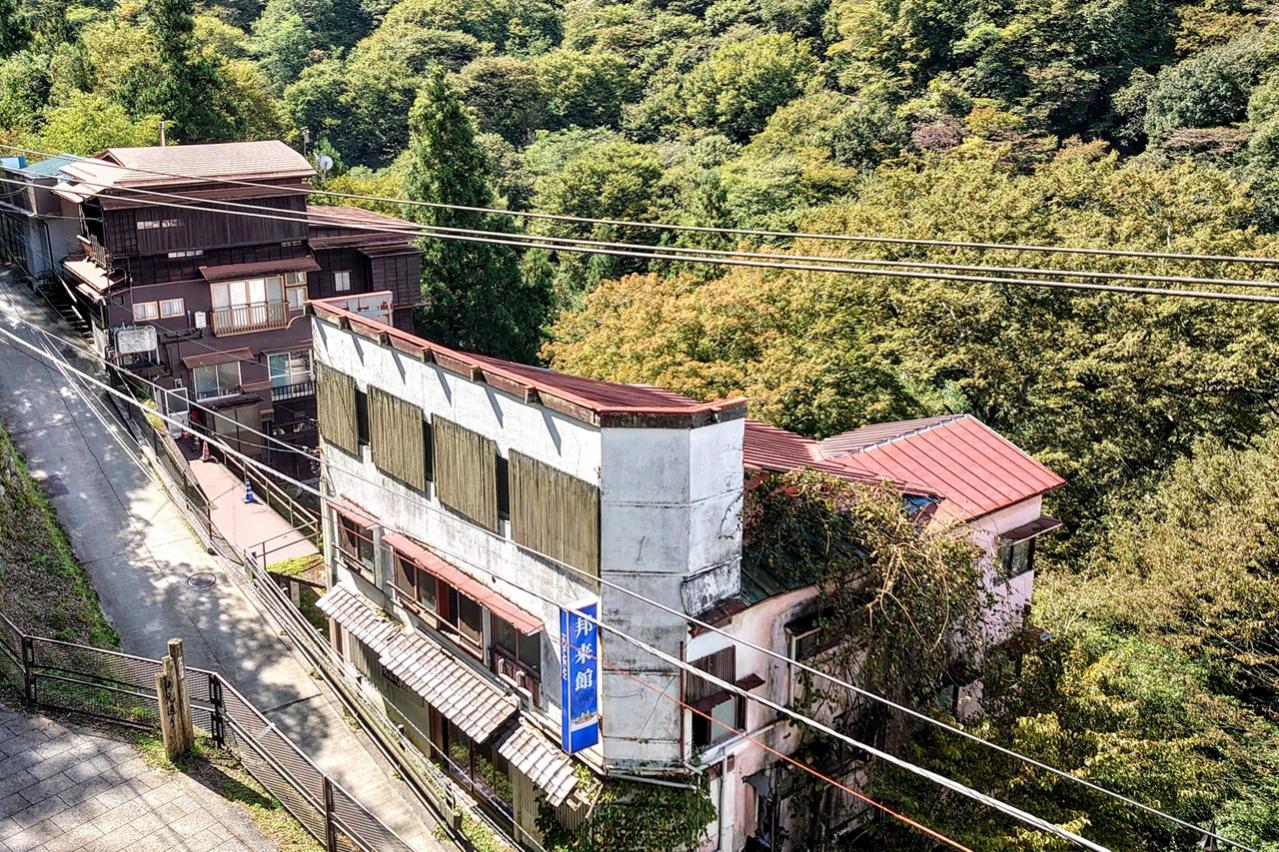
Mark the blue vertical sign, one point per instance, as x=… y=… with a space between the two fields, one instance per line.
x=579 y=676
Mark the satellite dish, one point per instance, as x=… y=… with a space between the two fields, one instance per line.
x=324 y=163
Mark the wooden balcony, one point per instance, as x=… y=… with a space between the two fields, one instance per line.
x=246 y=319
x=297 y=390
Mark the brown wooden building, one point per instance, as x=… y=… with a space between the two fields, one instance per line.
x=190 y=283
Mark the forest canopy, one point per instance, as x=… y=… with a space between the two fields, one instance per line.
x=1149 y=125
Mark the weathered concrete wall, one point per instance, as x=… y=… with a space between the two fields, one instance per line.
x=670 y=502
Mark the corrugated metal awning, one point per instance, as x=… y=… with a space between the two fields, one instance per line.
x=476 y=705
x=539 y=760
x=523 y=621
x=360 y=619
x=1037 y=527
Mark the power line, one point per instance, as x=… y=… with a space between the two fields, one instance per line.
x=61 y=367
x=576 y=246
x=692 y=620
x=335 y=219
x=1022 y=816
x=789 y=235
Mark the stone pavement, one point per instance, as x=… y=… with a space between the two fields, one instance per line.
x=65 y=788
x=140 y=553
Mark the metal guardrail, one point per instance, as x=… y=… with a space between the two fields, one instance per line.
x=120 y=688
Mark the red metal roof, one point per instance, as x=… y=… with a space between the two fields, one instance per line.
x=958 y=458
x=592 y=400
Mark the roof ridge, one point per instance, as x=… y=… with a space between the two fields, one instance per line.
x=941 y=420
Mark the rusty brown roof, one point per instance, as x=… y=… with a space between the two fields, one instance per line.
x=264 y=160
x=593 y=401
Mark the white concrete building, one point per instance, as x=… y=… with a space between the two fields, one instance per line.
x=473 y=499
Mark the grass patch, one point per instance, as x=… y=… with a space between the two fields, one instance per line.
x=219 y=771
x=307 y=598
x=43 y=588
x=295 y=566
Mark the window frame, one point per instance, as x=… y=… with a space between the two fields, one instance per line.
x=172 y=314
x=151 y=311
x=341 y=281
x=217 y=368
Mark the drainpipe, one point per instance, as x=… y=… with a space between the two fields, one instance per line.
x=725 y=823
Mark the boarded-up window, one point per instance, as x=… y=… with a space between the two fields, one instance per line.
x=335 y=408
x=554 y=513
x=395 y=438
x=465 y=471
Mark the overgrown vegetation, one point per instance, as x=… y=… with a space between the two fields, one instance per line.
x=1138 y=124
x=43 y=588
x=219 y=770
x=631 y=815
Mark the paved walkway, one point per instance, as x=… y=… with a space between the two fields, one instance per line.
x=247 y=525
x=140 y=553
x=64 y=788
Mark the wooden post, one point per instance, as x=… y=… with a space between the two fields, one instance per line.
x=183 y=694
x=166 y=692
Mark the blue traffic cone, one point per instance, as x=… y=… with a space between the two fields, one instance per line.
x=248 y=491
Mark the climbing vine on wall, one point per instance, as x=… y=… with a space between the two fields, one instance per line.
x=902 y=606
x=634 y=815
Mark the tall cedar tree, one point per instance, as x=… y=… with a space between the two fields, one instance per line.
x=188 y=90
x=475 y=299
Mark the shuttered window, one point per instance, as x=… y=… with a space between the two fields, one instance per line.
x=721 y=664
x=554 y=513
x=396 y=440
x=465 y=466
x=335 y=409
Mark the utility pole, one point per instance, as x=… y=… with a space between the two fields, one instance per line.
x=162 y=139
x=306 y=139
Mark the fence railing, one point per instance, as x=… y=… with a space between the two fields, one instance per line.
x=241 y=319
x=120 y=688
x=427 y=779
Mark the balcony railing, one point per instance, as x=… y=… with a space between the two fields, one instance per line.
x=243 y=319
x=297 y=390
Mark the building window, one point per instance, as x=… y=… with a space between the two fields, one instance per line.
x=256 y=304
x=356 y=546
x=503 y=489
x=156 y=224
x=1015 y=558
x=295 y=279
x=289 y=368
x=175 y=255
x=145 y=311
x=727 y=710
x=172 y=308
x=553 y=512
x=521 y=648
x=217 y=380
x=362 y=416
x=462 y=618
x=297 y=298
x=341 y=281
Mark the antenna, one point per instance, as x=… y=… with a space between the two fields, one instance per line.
x=323 y=164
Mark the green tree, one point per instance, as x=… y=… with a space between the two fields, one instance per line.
x=88 y=123
x=15 y=31
x=282 y=42
x=475 y=299
x=584 y=90
x=186 y=87
x=740 y=85
x=506 y=96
